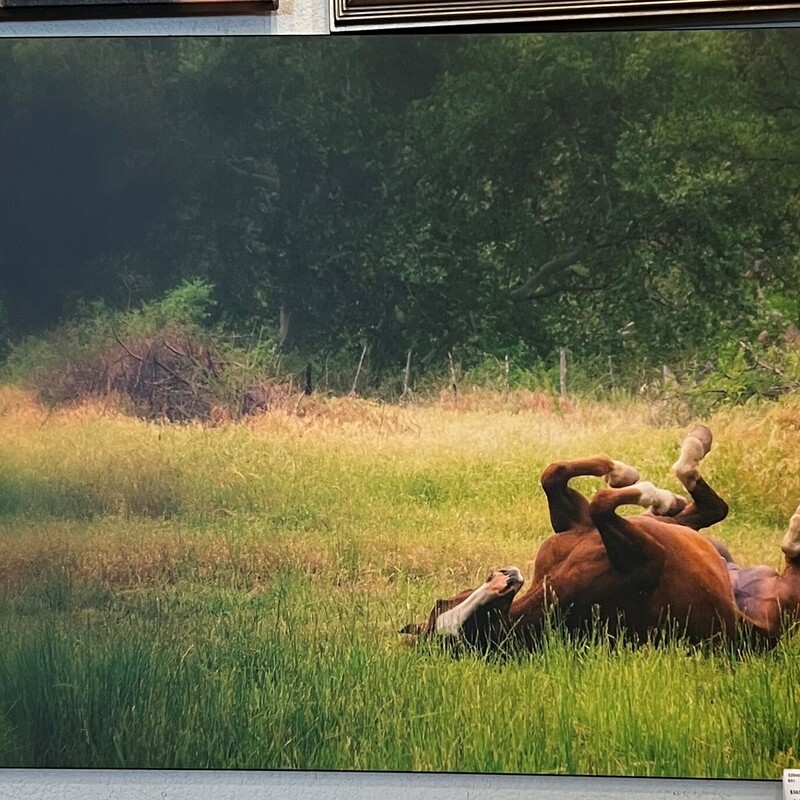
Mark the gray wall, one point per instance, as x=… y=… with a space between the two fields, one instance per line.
x=167 y=785
x=292 y=17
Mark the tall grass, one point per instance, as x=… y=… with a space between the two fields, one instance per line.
x=295 y=679
x=188 y=596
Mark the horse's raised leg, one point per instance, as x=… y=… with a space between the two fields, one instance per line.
x=707 y=507
x=569 y=509
x=629 y=547
x=791 y=541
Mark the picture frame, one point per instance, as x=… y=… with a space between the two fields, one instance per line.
x=32 y=11
x=555 y=15
x=439 y=786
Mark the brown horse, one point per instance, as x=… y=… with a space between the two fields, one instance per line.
x=771 y=598
x=644 y=577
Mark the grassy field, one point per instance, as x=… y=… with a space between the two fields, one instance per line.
x=187 y=596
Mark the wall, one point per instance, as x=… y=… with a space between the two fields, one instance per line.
x=292 y=17
x=168 y=785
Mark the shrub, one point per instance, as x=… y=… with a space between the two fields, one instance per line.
x=161 y=359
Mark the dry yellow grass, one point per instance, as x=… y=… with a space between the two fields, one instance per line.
x=437 y=490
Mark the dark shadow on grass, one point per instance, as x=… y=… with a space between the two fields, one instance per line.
x=75 y=500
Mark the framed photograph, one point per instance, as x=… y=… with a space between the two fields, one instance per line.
x=556 y=15
x=401 y=404
x=45 y=10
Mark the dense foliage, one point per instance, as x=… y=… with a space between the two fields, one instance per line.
x=631 y=197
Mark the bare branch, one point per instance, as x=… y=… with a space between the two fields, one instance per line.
x=172 y=372
x=551 y=268
x=544 y=295
x=270 y=181
x=125 y=348
x=188 y=357
x=761 y=364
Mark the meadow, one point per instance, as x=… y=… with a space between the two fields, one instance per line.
x=229 y=595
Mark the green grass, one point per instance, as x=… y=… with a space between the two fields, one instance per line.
x=229 y=597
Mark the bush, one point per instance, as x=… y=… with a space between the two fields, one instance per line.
x=187 y=304
x=744 y=372
x=159 y=359
x=173 y=375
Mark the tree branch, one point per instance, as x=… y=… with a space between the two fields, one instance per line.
x=172 y=372
x=761 y=364
x=544 y=295
x=551 y=268
x=125 y=348
x=272 y=182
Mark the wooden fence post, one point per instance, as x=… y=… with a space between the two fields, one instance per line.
x=358 y=371
x=407 y=377
x=453 y=376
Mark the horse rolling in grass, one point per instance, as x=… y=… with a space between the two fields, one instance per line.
x=645 y=577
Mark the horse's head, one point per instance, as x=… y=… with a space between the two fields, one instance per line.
x=477 y=618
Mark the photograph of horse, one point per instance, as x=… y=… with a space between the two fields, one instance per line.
x=340 y=381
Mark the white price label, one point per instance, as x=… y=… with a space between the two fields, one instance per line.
x=791 y=784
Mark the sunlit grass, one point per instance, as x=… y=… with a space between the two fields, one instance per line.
x=229 y=596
